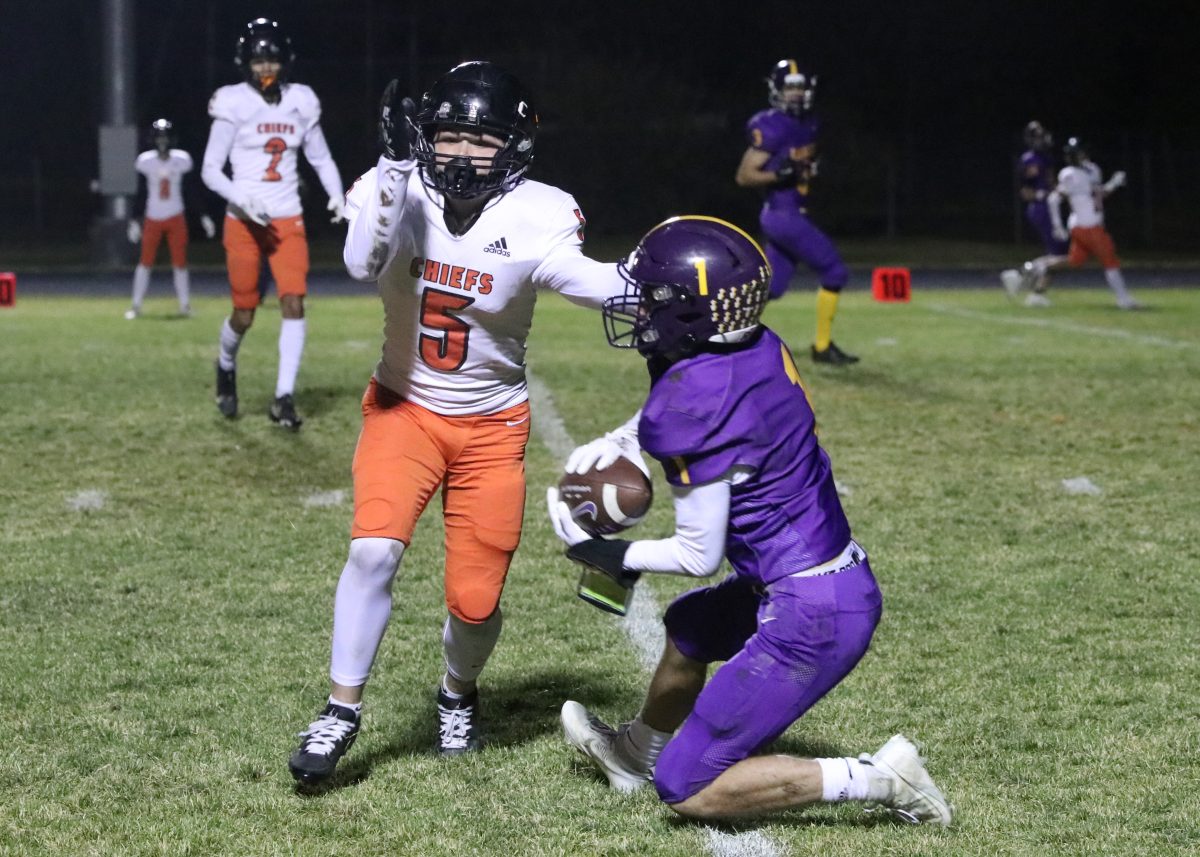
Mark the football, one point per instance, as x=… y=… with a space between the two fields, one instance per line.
x=604 y=502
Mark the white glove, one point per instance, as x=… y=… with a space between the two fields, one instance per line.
x=206 y=223
x=133 y=231
x=560 y=516
x=254 y=210
x=603 y=451
x=337 y=206
x=1115 y=181
x=1060 y=234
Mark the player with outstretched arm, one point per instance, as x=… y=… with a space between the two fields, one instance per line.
x=729 y=420
x=460 y=243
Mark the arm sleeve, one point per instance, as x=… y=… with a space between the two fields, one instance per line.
x=316 y=150
x=216 y=153
x=374 y=207
x=698 y=545
x=1054 y=203
x=567 y=271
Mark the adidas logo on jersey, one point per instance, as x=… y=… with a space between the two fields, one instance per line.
x=499 y=247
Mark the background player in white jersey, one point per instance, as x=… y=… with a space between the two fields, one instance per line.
x=164 y=168
x=259 y=126
x=1081 y=182
x=460 y=243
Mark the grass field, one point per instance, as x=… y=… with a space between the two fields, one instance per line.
x=167 y=580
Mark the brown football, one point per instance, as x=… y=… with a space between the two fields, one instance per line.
x=607 y=501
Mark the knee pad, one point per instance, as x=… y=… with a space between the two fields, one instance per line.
x=835 y=276
x=476 y=567
x=373 y=562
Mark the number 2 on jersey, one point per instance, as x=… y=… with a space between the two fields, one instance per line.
x=275 y=147
x=448 y=351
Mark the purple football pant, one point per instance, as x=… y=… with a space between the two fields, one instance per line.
x=792 y=238
x=784 y=648
x=1038 y=216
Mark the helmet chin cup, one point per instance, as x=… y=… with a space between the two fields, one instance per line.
x=460 y=176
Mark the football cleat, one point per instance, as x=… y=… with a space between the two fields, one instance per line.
x=283 y=412
x=1013 y=282
x=915 y=799
x=132 y=313
x=1037 y=299
x=833 y=356
x=596 y=740
x=1128 y=303
x=323 y=743
x=227 y=391
x=458 y=724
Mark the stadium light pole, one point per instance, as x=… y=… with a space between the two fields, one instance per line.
x=117 y=133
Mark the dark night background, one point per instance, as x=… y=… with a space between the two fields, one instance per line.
x=643 y=104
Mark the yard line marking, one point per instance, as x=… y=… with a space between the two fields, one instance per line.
x=88 y=501
x=751 y=844
x=323 y=499
x=641 y=623
x=1069 y=327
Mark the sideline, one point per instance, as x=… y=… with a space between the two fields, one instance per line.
x=1067 y=326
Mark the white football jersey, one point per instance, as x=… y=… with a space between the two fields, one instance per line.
x=1082 y=187
x=458 y=308
x=164 y=181
x=261 y=141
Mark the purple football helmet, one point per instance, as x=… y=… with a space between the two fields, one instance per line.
x=790 y=88
x=1037 y=138
x=691 y=280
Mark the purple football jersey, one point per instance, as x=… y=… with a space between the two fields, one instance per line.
x=1037 y=171
x=744 y=406
x=785 y=137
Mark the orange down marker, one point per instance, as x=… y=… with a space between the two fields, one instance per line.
x=891 y=285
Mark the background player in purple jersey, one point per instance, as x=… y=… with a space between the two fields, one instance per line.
x=780 y=160
x=1037 y=177
x=729 y=420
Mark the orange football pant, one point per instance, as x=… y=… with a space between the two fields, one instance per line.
x=283 y=243
x=405 y=452
x=175 y=230
x=1095 y=241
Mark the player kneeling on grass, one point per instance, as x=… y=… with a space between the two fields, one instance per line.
x=730 y=422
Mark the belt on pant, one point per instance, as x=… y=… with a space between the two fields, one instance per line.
x=851 y=556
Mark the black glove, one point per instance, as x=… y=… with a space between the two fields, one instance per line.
x=609 y=586
x=786 y=176
x=397 y=128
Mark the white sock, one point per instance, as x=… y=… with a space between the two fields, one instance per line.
x=640 y=745
x=230 y=340
x=361 y=608
x=356 y=707
x=467 y=646
x=291 y=346
x=1116 y=282
x=182 y=288
x=849 y=779
x=141 y=282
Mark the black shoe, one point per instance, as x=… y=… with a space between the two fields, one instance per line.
x=326 y=740
x=227 y=391
x=833 y=355
x=458 y=724
x=283 y=411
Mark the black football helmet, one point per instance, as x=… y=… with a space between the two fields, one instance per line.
x=1038 y=138
x=162 y=134
x=690 y=281
x=480 y=97
x=787 y=73
x=264 y=40
x=1074 y=151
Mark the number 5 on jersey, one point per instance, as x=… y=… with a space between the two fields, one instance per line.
x=447 y=351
